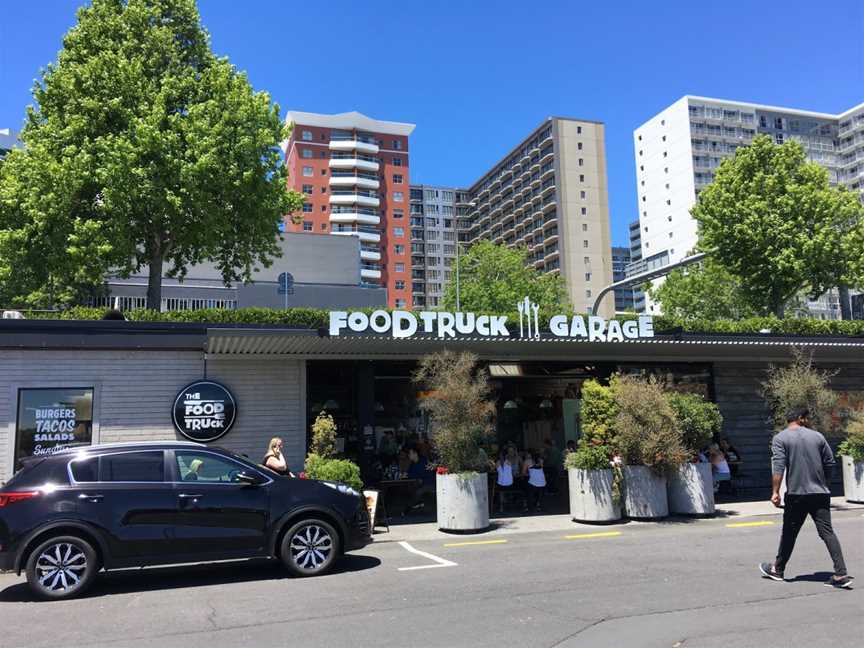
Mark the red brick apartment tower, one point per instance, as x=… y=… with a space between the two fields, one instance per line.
x=354 y=172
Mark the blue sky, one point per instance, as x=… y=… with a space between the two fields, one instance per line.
x=476 y=77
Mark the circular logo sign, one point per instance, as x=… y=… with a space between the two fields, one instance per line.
x=204 y=411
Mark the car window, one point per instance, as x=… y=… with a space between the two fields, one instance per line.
x=207 y=468
x=133 y=467
x=86 y=470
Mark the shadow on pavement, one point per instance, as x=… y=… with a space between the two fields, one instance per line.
x=815 y=577
x=167 y=578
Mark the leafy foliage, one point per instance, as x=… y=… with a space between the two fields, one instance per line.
x=142 y=148
x=774 y=222
x=323 y=441
x=699 y=420
x=589 y=457
x=458 y=402
x=338 y=470
x=797 y=385
x=648 y=432
x=853 y=444
x=597 y=413
x=493 y=278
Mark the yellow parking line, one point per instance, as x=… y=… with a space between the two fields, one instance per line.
x=738 y=525
x=605 y=534
x=477 y=542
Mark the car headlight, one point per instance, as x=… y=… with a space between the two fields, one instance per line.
x=342 y=488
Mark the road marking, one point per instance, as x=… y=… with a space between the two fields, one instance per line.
x=738 y=525
x=605 y=534
x=440 y=562
x=478 y=542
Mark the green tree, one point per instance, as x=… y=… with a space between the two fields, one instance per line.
x=702 y=291
x=774 y=222
x=142 y=149
x=493 y=278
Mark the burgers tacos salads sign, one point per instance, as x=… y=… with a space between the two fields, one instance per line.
x=406 y=324
x=51 y=419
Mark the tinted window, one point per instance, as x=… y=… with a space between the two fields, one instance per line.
x=207 y=468
x=85 y=471
x=133 y=467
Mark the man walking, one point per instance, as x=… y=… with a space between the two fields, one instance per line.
x=804 y=455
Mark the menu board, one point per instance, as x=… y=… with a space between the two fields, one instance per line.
x=52 y=419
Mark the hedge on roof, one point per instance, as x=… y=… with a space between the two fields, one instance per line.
x=313 y=318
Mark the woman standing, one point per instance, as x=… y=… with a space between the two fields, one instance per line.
x=275 y=460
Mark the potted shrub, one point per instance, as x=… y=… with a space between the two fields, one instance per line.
x=321 y=462
x=800 y=385
x=458 y=401
x=650 y=444
x=595 y=494
x=851 y=452
x=690 y=486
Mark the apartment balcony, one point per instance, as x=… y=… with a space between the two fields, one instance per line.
x=369 y=254
x=343 y=179
x=366 y=199
x=549 y=220
x=550 y=203
x=357 y=217
x=361 y=144
x=551 y=254
x=552 y=235
x=544 y=191
x=369 y=271
x=363 y=162
x=364 y=234
x=548 y=173
x=548 y=157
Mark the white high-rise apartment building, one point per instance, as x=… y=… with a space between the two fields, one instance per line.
x=679 y=149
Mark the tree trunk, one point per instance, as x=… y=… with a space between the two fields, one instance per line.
x=154 y=283
x=845 y=303
x=780 y=309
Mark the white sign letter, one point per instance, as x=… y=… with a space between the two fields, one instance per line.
x=483 y=325
x=558 y=326
x=428 y=318
x=614 y=333
x=646 y=326
x=404 y=324
x=497 y=325
x=338 y=321
x=358 y=322
x=379 y=320
x=595 y=329
x=445 y=325
x=631 y=329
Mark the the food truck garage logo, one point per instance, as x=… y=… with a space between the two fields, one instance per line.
x=406 y=324
x=204 y=411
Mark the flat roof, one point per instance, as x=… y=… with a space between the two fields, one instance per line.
x=349 y=121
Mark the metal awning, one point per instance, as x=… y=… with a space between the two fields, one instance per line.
x=241 y=342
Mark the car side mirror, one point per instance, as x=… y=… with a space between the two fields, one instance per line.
x=246 y=478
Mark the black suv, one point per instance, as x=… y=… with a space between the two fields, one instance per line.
x=65 y=516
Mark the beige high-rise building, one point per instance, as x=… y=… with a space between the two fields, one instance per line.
x=549 y=194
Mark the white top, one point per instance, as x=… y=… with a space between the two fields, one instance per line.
x=536 y=477
x=722 y=467
x=505 y=474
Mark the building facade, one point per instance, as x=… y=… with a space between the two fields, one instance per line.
x=678 y=151
x=625 y=298
x=549 y=194
x=8 y=141
x=635 y=264
x=354 y=173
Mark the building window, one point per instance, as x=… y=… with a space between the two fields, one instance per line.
x=398 y=231
x=581 y=162
x=587 y=260
x=581 y=177
x=307 y=189
x=306 y=136
x=399 y=267
x=323 y=208
x=398 y=249
x=584 y=243
x=397 y=178
x=584 y=211
x=307 y=226
x=323 y=189
x=664 y=153
x=397 y=161
x=397 y=144
x=578 y=130
x=307 y=171
x=398 y=196
x=579 y=146
x=398 y=213
x=400 y=303
x=587 y=276
x=306 y=153
x=582 y=195
x=400 y=284
x=323 y=227
x=588 y=293
x=323 y=172
x=307 y=208
x=664 y=138
x=584 y=227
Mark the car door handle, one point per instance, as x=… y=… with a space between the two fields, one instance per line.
x=90 y=498
x=186 y=496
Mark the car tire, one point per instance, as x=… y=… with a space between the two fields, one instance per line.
x=310 y=547
x=61 y=567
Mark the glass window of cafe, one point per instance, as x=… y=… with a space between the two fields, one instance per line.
x=50 y=419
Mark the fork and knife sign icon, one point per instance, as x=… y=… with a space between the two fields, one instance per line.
x=525 y=308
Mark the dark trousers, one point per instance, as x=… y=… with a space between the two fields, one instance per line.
x=795 y=512
x=535 y=495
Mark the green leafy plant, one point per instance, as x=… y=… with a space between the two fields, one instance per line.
x=597 y=413
x=647 y=430
x=323 y=441
x=799 y=384
x=458 y=400
x=699 y=420
x=589 y=457
x=853 y=444
x=337 y=470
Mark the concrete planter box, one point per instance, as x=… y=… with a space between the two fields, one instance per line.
x=463 y=502
x=644 y=493
x=691 y=490
x=591 y=496
x=853 y=479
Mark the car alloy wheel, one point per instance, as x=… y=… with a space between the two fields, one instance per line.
x=311 y=547
x=61 y=567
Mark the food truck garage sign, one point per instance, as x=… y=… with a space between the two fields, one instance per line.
x=405 y=324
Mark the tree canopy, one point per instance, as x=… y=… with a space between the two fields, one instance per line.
x=493 y=278
x=142 y=149
x=775 y=224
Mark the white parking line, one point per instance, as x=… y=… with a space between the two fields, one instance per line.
x=440 y=562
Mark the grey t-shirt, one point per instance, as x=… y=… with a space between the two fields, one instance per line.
x=806 y=457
